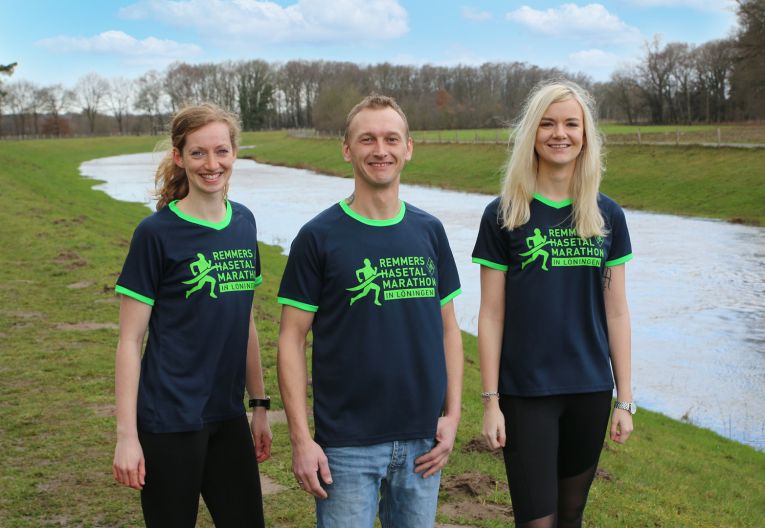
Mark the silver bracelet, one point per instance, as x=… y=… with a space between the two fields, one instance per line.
x=486 y=396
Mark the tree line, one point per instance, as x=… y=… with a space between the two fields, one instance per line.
x=678 y=83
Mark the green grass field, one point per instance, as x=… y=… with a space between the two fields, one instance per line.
x=63 y=245
x=615 y=133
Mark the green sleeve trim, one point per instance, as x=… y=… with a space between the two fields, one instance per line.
x=490 y=264
x=368 y=221
x=217 y=226
x=621 y=260
x=258 y=280
x=134 y=295
x=296 y=304
x=451 y=296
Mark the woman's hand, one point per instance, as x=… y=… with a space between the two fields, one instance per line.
x=621 y=425
x=493 y=430
x=261 y=434
x=129 y=466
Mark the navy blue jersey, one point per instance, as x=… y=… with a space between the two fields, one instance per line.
x=555 y=337
x=199 y=279
x=376 y=287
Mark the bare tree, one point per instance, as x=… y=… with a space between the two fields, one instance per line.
x=622 y=96
x=119 y=99
x=23 y=103
x=655 y=72
x=91 y=91
x=6 y=69
x=714 y=64
x=56 y=100
x=256 y=93
x=748 y=76
x=151 y=98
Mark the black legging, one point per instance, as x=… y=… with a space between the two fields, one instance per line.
x=551 y=455
x=218 y=462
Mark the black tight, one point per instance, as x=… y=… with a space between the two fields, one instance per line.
x=551 y=455
x=218 y=462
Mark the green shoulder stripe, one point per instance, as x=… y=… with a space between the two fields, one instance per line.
x=490 y=264
x=451 y=296
x=297 y=304
x=621 y=260
x=258 y=280
x=134 y=295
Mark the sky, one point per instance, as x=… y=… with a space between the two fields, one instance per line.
x=57 y=41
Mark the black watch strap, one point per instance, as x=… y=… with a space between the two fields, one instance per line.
x=261 y=402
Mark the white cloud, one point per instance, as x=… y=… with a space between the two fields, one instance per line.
x=306 y=21
x=119 y=43
x=597 y=63
x=471 y=13
x=592 y=22
x=701 y=5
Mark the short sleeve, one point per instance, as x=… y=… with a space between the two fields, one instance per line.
x=141 y=272
x=621 y=247
x=301 y=282
x=448 y=277
x=490 y=247
x=258 y=272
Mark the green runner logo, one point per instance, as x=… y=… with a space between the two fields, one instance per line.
x=566 y=249
x=229 y=270
x=366 y=276
x=201 y=268
x=535 y=244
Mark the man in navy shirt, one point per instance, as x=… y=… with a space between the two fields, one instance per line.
x=373 y=278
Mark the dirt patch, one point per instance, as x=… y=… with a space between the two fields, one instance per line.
x=110 y=300
x=274 y=417
x=472 y=484
x=602 y=474
x=277 y=417
x=75 y=327
x=105 y=411
x=478 y=445
x=70 y=260
x=453 y=526
x=25 y=315
x=79 y=285
x=476 y=511
x=465 y=497
x=269 y=486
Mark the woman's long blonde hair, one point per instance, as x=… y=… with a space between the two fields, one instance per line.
x=521 y=172
x=170 y=181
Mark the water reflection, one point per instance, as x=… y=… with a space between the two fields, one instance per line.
x=696 y=287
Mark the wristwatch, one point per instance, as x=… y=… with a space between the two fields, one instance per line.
x=626 y=406
x=261 y=402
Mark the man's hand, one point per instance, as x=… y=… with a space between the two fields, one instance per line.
x=308 y=462
x=431 y=462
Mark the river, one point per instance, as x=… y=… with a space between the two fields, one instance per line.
x=696 y=287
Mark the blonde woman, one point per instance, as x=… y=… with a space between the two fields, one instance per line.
x=553 y=328
x=189 y=278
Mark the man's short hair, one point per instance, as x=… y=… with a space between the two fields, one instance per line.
x=375 y=102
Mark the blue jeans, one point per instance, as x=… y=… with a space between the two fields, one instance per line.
x=363 y=475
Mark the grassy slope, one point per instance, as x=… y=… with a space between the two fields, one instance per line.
x=63 y=246
x=725 y=183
